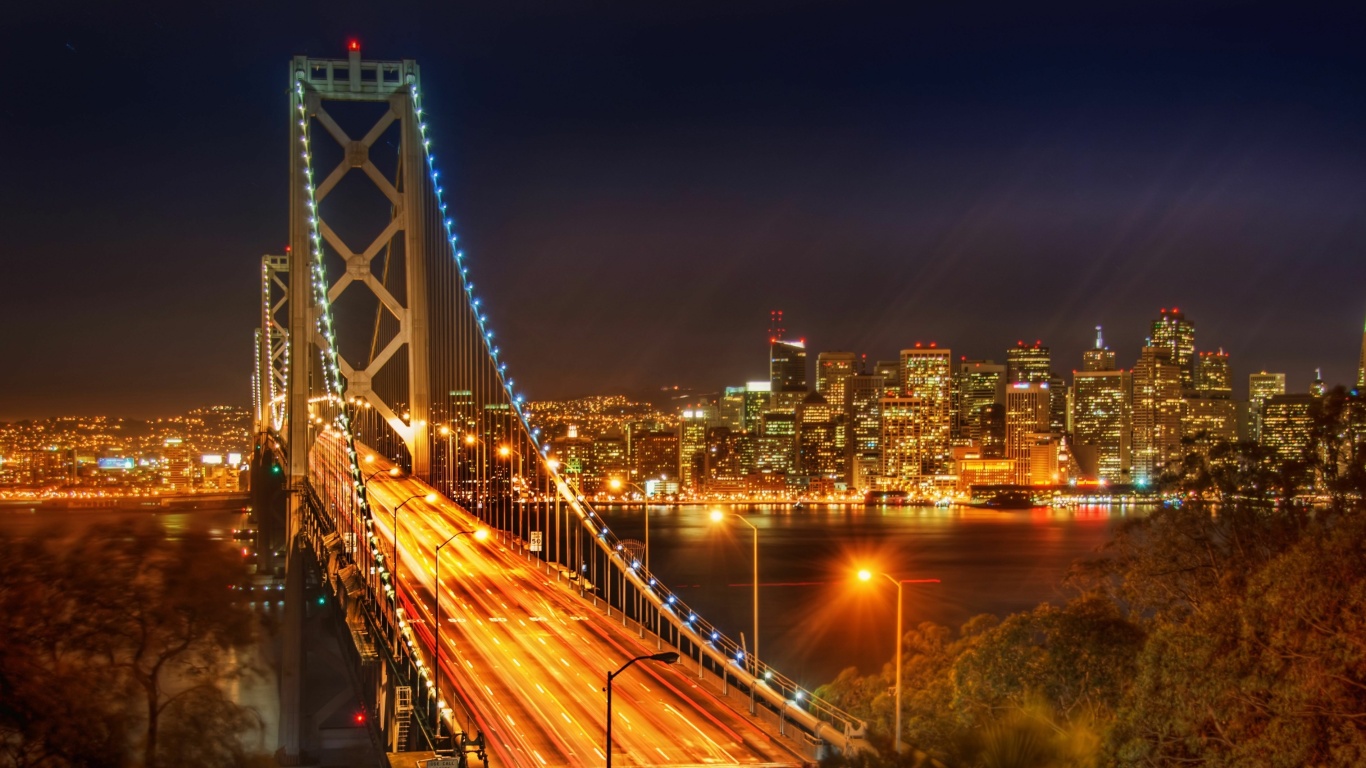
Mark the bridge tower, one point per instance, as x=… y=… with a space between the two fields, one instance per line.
x=326 y=83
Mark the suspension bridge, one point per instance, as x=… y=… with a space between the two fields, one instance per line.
x=481 y=601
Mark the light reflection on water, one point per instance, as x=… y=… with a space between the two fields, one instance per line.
x=815 y=617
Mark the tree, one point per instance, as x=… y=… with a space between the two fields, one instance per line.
x=122 y=634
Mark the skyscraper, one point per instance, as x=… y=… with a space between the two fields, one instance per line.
x=1030 y=364
x=864 y=392
x=757 y=397
x=1261 y=386
x=1213 y=377
x=1209 y=410
x=1102 y=428
x=692 y=445
x=1174 y=333
x=832 y=368
x=1099 y=358
x=926 y=375
x=1026 y=421
x=1156 y=414
x=787 y=372
x=902 y=443
x=1361 y=365
x=820 y=451
x=976 y=384
x=890 y=371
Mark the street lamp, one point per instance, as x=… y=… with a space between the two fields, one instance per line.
x=392 y=472
x=668 y=657
x=479 y=534
x=617 y=484
x=716 y=517
x=506 y=451
x=867 y=575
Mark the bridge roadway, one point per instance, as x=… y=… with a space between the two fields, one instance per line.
x=528 y=657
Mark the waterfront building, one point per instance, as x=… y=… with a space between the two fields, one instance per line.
x=1261 y=387
x=926 y=376
x=775 y=448
x=1026 y=421
x=1102 y=429
x=976 y=385
x=1156 y=414
x=1176 y=334
x=832 y=368
x=1214 y=418
x=1030 y=364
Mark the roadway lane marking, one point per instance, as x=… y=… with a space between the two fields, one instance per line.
x=662 y=753
x=538 y=756
x=566 y=718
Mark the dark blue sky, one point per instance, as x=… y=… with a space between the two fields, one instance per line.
x=638 y=185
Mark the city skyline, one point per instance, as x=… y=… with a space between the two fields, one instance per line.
x=881 y=175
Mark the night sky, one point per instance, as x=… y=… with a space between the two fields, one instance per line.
x=638 y=184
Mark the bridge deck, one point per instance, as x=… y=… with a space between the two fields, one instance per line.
x=529 y=658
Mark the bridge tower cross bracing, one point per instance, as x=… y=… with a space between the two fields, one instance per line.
x=272 y=349
x=382 y=82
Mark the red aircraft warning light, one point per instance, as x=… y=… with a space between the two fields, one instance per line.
x=354 y=45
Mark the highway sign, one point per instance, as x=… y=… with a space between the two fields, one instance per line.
x=535 y=541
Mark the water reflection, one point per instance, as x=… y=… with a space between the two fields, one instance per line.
x=815 y=618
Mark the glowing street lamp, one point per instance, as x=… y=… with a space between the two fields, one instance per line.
x=867 y=575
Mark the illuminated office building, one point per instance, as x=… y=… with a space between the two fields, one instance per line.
x=1174 y=333
x=1030 y=364
x=731 y=408
x=1099 y=358
x=775 y=448
x=1026 y=422
x=693 y=424
x=976 y=385
x=787 y=366
x=757 y=400
x=1102 y=428
x=1260 y=387
x=820 y=444
x=656 y=455
x=1286 y=424
x=926 y=376
x=832 y=368
x=1209 y=419
x=1156 y=414
x=1361 y=365
x=902 y=443
x=864 y=392
x=1213 y=376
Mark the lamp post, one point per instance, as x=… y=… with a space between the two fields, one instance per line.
x=479 y=534
x=505 y=451
x=427 y=497
x=866 y=575
x=470 y=441
x=668 y=657
x=717 y=516
x=617 y=484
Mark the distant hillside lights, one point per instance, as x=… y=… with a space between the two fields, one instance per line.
x=933 y=427
x=108 y=457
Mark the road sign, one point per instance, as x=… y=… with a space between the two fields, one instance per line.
x=535 y=541
x=442 y=762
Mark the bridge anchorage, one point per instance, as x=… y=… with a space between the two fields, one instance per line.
x=477 y=600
